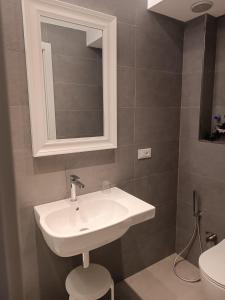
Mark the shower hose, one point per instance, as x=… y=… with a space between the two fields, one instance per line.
x=180 y=257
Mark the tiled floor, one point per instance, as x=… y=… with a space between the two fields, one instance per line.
x=159 y=283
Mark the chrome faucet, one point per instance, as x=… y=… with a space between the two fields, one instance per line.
x=74 y=182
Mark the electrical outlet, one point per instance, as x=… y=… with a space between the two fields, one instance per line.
x=144 y=153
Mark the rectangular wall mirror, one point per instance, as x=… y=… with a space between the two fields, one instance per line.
x=71 y=70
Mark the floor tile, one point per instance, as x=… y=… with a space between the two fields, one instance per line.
x=158 y=282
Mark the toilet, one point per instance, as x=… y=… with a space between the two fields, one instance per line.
x=212 y=269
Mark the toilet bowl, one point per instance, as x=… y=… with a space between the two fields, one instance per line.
x=212 y=270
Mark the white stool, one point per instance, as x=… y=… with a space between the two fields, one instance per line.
x=89 y=283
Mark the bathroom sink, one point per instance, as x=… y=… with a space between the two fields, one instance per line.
x=103 y=217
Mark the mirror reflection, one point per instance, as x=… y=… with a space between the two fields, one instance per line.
x=72 y=65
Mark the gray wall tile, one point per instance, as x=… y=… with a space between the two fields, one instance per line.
x=35 y=185
x=156 y=124
x=157 y=89
x=12 y=22
x=159 y=31
x=164 y=158
x=10 y=264
x=158 y=188
x=219 y=90
x=220 y=61
x=154 y=118
x=124 y=10
x=193 y=46
x=191 y=89
x=208 y=76
x=126 y=86
x=89 y=159
x=196 y=156
x=158 y=25
x=16 y=77
x=20 y=127
x=156 y=46
x=125 y=126
x=126 y=43
x=201 y=165
x=189 y=122
x=218 y=95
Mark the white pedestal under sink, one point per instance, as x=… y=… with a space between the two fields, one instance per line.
x=103 y=217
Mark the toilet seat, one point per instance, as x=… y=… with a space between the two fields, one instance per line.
x=211 y=280
x=212 y=264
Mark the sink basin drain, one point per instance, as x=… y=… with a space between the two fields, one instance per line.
x=83 y=229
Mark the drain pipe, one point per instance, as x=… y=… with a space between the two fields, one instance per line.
x=86 y=259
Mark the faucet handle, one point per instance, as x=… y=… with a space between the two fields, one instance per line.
x=74 y=178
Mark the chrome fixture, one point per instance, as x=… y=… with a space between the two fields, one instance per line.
x=201 y=6
x=74 y=182
x=211 y=237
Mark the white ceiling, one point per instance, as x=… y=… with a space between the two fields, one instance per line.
x=181 y=9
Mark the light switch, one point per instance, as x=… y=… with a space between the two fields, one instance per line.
x=144 y=153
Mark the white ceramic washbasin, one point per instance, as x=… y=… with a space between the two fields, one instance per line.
x=103 y=217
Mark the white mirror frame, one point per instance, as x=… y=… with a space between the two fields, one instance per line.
x=33 y=12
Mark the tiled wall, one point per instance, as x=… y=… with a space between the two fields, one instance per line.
x=208 y=71
x=149 y=68
x=77 y=76
x=10 y=279
x=201 y=164
x=219 y=92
